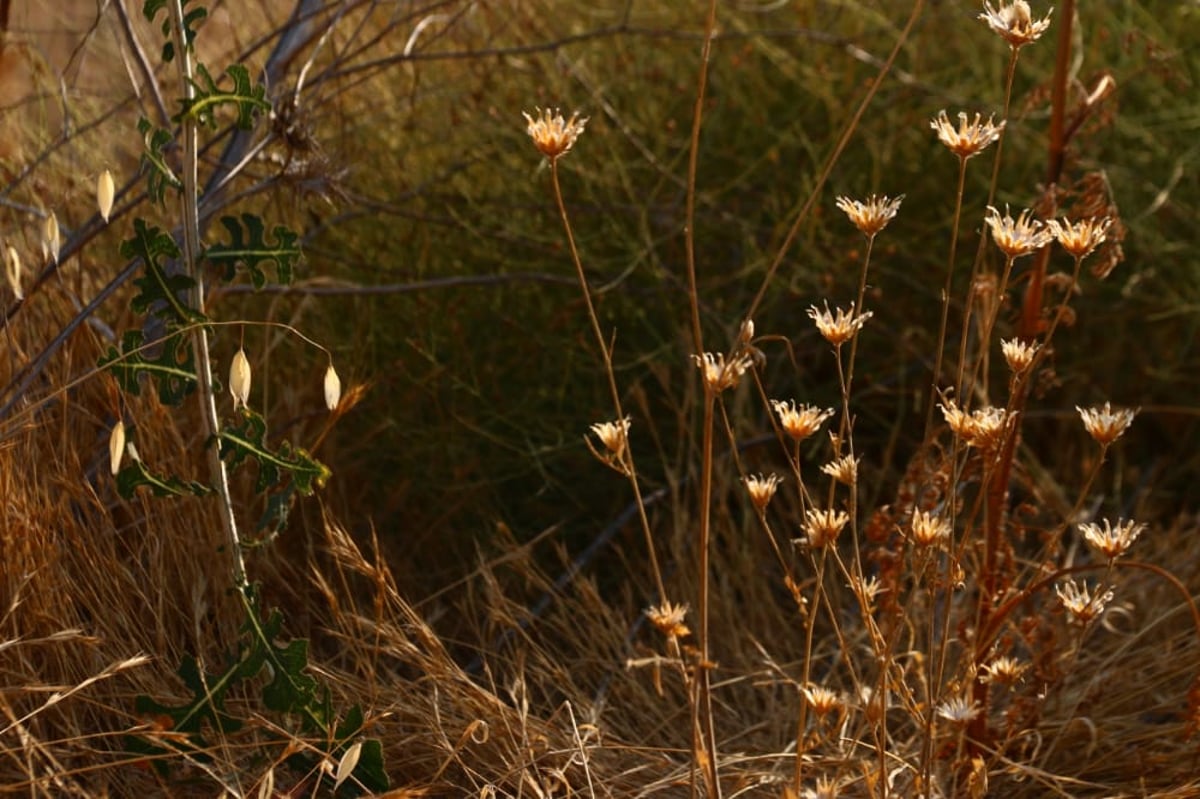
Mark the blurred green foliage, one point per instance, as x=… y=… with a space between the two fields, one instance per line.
x=484 y=378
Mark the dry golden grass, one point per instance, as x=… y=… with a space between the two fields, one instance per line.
x=487 y=689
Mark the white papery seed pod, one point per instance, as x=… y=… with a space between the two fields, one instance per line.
x=51 y=238
x=116 y=446
x=333 y=388
x=12 y=270
x=239 y=379
x=105 y=192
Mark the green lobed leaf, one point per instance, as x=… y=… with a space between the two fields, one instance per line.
x=246 y=97
x=248 y=246
x=161 y=293
x=172 y=367
x=159 y=175
x=136 y=475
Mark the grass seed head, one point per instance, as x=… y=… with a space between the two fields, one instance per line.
x=1017 y=237
x=839 y=327
x=1109 y=541
x=1106 y=425
x=1014 y=22
x=1082 y=237
x=551 y=134
x=802 y=421
x=969 y=138
x=873 y=215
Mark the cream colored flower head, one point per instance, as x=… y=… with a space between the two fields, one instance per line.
x=669 y=618
x=822 y=700
x=969 y=138
x=1017 y=237
x=1106 y=425
x=1109 y=541
x=614 y=436
x=840 y=327
x=1082 y=237
x=958 y=710
x=552 y=134
x=928 y=529
x=823 y=527
x=1014 y=22
x=1083 y=603
x=762 y=489
x=1018 y=354
x=983 y=428
x=800 y=422
x=873 y=215
x=844 y=470
x=720 y=373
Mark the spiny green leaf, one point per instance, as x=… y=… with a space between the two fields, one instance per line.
x=159 y=174
x=246 y=440
x=246 y=97
x=160 y=292
x=248 y=246
x=173 y=367
x=136 y=474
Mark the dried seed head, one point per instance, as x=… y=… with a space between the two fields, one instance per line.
x=669 y=619
x=105 y=192
x=970 y=138
x=1111 y=542
x=1004 y=670
x=840 y=328
x=51 y=238
x=762 y=489
x=866 y=591
x=873 y=215
x=1080 y=238
x=1081 y=602
x=958 y=710
x=823 y=527
x=983 y=428
x=800 y=422
x=822 y=700
x=116 y=446
x=1018 y=237
x=12 y=271
x=239 y=379
x=824 y=788
x=1106 y=425
x=721 y=374
x=615 y=438
x=1014 y=23
x=551 y=134
x=928 y=529
x=844 y=470
x=333 y=388
x=1018 y=354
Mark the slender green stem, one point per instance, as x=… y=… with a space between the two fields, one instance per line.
x=946 y=294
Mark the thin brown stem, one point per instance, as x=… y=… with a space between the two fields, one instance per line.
x=606 y=354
